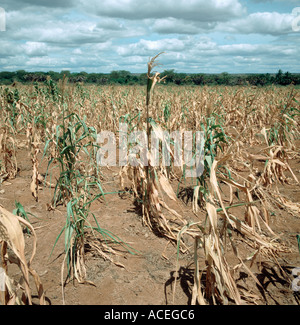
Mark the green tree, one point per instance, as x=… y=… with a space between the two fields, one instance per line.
x=20 y=74
x=279 y=77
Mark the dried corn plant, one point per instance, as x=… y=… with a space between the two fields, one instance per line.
x=33 y=141
x=149 y=182
x=13 y=251
x=8 y=160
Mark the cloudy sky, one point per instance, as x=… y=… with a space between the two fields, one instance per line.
x=213 y=36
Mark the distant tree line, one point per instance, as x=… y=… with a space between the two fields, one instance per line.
x=124 y=77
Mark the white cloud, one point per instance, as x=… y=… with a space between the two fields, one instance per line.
x=197 y=10
x=22 y=4
x=264 y=1
x=180 y=26
x=169 y=45
x=35 y=49
x=272 y=23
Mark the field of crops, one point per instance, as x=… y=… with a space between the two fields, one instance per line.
x=74 y=231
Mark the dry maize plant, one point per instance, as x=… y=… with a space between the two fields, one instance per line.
x=150 y=183
x=13 y=251
x=9 y=165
